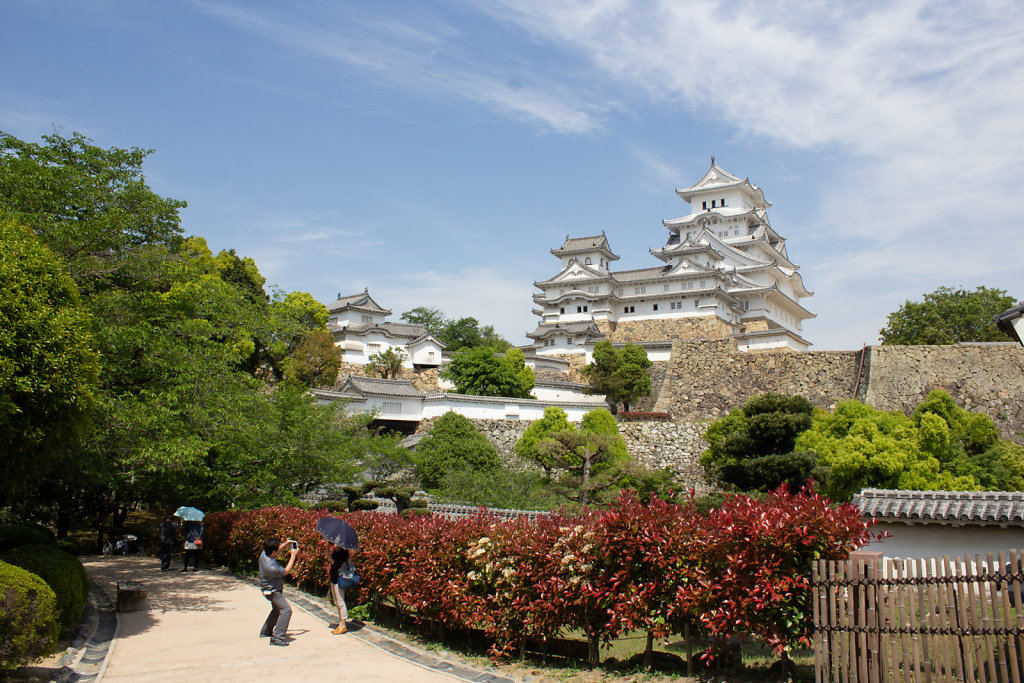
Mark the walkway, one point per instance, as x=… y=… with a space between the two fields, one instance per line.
x=202 y=626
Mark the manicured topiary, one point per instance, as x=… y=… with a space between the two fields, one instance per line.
x=364 y=504
x=61 y=571
x=333 y=505
x=13 y=535
x=28 y=617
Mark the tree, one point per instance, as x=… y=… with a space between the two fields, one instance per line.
x=315 y=361
x=751 y=449
x=620 y=374
x=948 y=316
x=454 y=444
x=387 y=364
x=480 y=372
x=528 y=445
x=48 y=363
x=430 y=318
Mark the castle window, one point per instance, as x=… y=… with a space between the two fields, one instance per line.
x=392 y=408
x=655 y=307
x=668 y=287
x=372 y=348
x=721 y=202
x=696 y=303
x=366 y=318
x=703 y=205
x=713 y=203
x=588 y=261
x=561 y=310
x=639 y=290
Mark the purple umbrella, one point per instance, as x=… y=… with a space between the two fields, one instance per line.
x=338 y=532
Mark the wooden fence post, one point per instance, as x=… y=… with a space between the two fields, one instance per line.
x=867 y=607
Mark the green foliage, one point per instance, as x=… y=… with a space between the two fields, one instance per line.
x=751 y=449
x=28 y=621
x=527 y=447
x=948 y=316
x=865 y=447
x=332 y=505
x=14 y=535
x=61 y=571
x=508 y=489
x=620 y=374
x=315 y=360
x=364 y=504
x=454 y=444
x=48 y=362
x=458 y=333
x=480 y=372
x=386 y=364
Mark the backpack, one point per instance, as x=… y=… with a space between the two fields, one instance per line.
x=348 y=577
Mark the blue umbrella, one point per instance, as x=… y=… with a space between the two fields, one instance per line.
x=189 y=514
x=338 y=532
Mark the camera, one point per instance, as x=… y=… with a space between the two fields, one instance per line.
x=295 y=544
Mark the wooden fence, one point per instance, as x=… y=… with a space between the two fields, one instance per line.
x=929 y=619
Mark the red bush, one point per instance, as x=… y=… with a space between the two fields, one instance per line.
x=653 y=566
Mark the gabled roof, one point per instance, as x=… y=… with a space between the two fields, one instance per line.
x=425 y=337
x=585 y=327
x=586 y=245
x=372 y=386
x=950 y=507
x=718 y=178
x=362 y=302
x=575 y=269
x=388 y=329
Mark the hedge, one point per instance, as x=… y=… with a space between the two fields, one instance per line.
x=61 y=571
x=28 y=617
x=741 y=569
x=13 y=535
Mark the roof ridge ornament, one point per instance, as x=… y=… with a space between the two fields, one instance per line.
x=712 y=159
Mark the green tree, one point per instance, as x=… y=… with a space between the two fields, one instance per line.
x=454 y=444
x=587 y=464
x=386 y=364
x=48 y=363
x=528 y=445
x=90 y=205
x=619 y=374
x=430 y=318
x=948 y=316
x=481 y=372
x=315 y=360
x=752 y=448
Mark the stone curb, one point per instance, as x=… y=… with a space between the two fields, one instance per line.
x=87 y=658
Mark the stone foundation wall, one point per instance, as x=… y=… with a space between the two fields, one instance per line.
x=711 y=327
x=425 y=380
x=675 y=445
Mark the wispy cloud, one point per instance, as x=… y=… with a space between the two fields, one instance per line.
x=429 y=59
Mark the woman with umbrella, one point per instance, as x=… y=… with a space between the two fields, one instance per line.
x=342 y=572
x=193 y=528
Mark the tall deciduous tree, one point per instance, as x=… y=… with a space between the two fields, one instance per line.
x=620 y=374
x=948 y=316
x=48 y=363
x=315 y=360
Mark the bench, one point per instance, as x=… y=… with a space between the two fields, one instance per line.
x=130 y=596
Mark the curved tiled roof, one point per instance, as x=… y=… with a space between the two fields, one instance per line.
x=586 y=327
x=388 y=329
x=579 y=245
x=373 y=386
x=949 y=507
x=360 y=302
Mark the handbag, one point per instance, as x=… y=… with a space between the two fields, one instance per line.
x=348 y=577
x=198 y=543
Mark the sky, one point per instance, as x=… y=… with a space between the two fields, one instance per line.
x=435 y=152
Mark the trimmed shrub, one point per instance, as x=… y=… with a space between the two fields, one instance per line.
x=13 y=535
x=334 y=505
x=364 y=504
x=28 y=617
x=61 y=571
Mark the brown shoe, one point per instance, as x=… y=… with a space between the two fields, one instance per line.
x=338 y=631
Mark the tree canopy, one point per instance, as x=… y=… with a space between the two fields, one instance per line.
x=948 y=316
x=185 y=403
x=455 y=333
x=619 y=374
x=482 y=372
x=48 y=362
x=454 y=444
x=752 y=448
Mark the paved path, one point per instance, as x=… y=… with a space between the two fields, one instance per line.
x=204 y=626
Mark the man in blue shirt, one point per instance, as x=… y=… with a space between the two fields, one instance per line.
x=272 y=584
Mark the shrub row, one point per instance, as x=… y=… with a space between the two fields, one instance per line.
x=741 y=569
x=62 y=572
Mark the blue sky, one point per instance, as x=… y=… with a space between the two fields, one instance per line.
x=436 y=151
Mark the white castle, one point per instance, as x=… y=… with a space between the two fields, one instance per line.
x=726 y=274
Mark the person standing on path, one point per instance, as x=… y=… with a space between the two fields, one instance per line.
x=193 y=543
x=272 y=584
x=339 y=558
x=168 y=532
